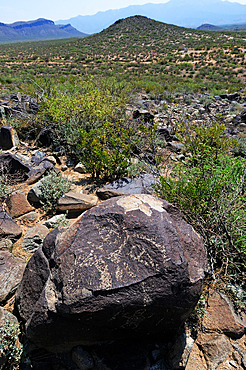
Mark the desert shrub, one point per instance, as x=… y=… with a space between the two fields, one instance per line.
x=3 y=186
x=105 y=151
x=10 y=348
x=209 y=188
x=53 y=187
x=240 y=148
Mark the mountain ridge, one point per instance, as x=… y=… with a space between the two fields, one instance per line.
x=38 y=29
x=179 y=12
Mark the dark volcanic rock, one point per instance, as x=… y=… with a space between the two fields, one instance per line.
x=45 y=137
x=11 y=271
x=129 y=267
x=8 y=137
x=137 y=185
x=231 y=97
x=8 y=227
x=22 y=169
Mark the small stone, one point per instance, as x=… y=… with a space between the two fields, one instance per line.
x=51 y=159
x=34 y=238
x=80 y=168
x=29 y=217
x=64 y=167
x=54 y=221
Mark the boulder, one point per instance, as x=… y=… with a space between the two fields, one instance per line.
x=11 y=271
x=8 y=137
x=8 y=227
x=22 y=169
x=34 y=238
x=142 y=184
x=130 y=267
x=76 y=202
x=18 y=205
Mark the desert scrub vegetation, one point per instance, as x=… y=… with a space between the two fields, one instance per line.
x=135 y=50
x=10 y=347
x=209 y=187
x=53 y=187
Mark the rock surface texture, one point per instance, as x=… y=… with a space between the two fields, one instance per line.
x=129 y=267
x=11 y=271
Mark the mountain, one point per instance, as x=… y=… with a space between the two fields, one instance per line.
x=186 y=13
x=39 y=29
x=225 y=27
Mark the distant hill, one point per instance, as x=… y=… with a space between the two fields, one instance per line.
x=226 y=27
x=39 y=29
x=185 y=13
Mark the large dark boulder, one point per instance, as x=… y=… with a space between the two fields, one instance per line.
x=130 y=267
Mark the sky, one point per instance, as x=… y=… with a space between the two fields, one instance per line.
x=16 y=10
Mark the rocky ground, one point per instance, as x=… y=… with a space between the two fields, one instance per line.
x=118 y=319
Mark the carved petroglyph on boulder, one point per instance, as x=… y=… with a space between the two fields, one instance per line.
x=129 y=266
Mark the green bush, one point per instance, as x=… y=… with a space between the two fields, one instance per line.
x=210 y=190
x=105 y=151
x=10 y=352
x=53 y=187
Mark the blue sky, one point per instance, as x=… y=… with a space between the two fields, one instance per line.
x=13 y=10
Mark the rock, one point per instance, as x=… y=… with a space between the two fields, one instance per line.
x=8 y=227
x=54 y=221
x=7 y=323
x=45 y=137
x=64 y=167
x=23 y=169
x=11 y=271
x=196 y=360
x=34 y=238
x=18 y=205
x=82 y=359
x=35 y=194
x=6 y=244
x=176 y=147
x=164 y=133
x=8 y=137
x=51 y=159
x=220 y=317
x=80 y=168
x=240 y=118
x=215 y=349
x=76 y=202
x=130 y=267
x=28 y=218
x=142 y=184
x=145 y=115
x=231 y=97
